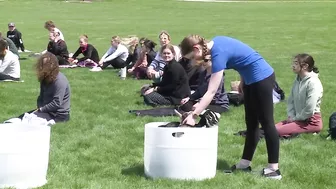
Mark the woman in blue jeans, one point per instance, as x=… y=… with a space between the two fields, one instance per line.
x=257 y=79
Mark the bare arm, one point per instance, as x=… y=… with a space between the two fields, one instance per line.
x=214 y=83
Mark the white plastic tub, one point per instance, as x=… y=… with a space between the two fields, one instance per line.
x=24 y=155
x=180 y=153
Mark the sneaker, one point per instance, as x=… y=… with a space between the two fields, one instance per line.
x=270 y=173
x=96 y=69
x=234 y=168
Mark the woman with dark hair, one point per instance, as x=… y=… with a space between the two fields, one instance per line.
x=146 y=57
x=174 y=85
x=304 y=102
x=53 y=103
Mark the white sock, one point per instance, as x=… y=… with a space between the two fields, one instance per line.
x=243 y=164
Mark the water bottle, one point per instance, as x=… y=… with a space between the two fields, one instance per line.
x=123 y=72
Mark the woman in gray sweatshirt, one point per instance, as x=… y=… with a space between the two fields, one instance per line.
x=54 y=99
x=303 y=108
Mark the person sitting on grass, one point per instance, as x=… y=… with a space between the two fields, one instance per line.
x=219 y=103
x=155 y=69
x=58 y=47
x=147 y=55
x=16 y=36
x=9 y=64
x=174 y=85
x=51 y=27
x=115 y=56
x=11 y=45
x=304 y=101
x=53 y=103
x=135 y=52
x=91 y=57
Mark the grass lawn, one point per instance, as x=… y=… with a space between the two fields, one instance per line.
x=102 y=145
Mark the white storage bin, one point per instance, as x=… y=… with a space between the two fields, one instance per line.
x=24 y=155
x=180 y=153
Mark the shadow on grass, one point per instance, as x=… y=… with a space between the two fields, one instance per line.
x=222 y=165
x=138 y=170
x=135 y=170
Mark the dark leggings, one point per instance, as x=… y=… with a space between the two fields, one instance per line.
x=116 y=63
x=48 y=117
x=7 y=77
x=259 y=109
x=62 y=60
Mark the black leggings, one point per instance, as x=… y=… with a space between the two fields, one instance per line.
x=259 y=109
x=7 y=77
x=116 y=63
x=62 y=60
x=48 y=116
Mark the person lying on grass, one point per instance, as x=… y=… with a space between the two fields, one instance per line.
x=304 y=101
x=174 y=85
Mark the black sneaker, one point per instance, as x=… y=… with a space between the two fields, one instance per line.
x=234 y=168
x=269 y=173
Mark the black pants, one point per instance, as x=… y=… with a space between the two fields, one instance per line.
x=48 y=116
x=116 y=63
x=5 y=77
x=213 y=107
x=259 y=109
x=62 y=60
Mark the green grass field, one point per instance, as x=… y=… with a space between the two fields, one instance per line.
x=102 y=146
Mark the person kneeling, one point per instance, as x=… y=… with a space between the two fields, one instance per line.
x=9 y=64
x=53 y=103
x=304 y=102
x=174 y=84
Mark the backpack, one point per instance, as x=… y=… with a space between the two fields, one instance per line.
x=332 y=126
x=279 y=91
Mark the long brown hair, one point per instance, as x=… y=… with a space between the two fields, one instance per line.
x=190 y=41
x=307 y=59
x=47 y=68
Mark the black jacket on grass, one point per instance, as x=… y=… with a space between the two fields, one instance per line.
x=89 y=52
x=174 y=85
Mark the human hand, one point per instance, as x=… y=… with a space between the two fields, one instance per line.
x=185 y=100
x=101 y=62
x=188 y=120
x=289 y=120
x=150 y=90
x=130 y=70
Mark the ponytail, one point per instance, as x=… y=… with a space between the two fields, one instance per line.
x=188 y=43
x=315 y=69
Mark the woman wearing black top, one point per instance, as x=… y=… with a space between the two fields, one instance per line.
x=174 y=84
x=91 y=57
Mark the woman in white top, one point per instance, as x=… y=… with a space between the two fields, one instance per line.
x=9 y=63
x=51 y=27
x=115 y=56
